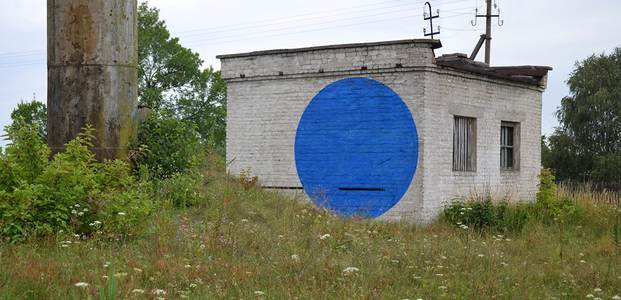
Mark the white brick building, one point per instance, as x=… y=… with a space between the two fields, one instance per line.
x=384 y=129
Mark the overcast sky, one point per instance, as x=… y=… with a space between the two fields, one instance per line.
x=553 y=33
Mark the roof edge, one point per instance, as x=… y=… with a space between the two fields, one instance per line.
x=433 y=44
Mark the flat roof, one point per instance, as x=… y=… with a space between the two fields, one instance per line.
x=526 y=74
x=433 y=44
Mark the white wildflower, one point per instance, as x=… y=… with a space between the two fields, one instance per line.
x=158 y=292
x=325 y=236
x=442 y=287
x=480 y=255
x=82 y=284
x=295 y=257
x=73 y=211
x=590 y=296
x=80 y=214
x=137 y=291
x=259 y=293
x=137 y=270
x=597 y=290
x=616 y=297
x=193 y=285
x=106 y=264
x=122 y=213
x=350 y=270
x=244 y=220
x=187 y=266
x=77 y=205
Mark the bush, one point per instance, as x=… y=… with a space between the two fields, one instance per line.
x=486 y=215
x=549 y=207
x=181 y=189
x=168 y=146
x=72 y=192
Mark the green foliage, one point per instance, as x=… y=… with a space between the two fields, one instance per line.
x=565 y=159
x=221 y=252
x=486 y=215
x=607 y=169
x=168 y=146
x=549 y=207
x=590 y=119
x=171 y=80
x=30 y=113
x=181 y=189
x=546 y=196
x=165 y=65
x=72 y=192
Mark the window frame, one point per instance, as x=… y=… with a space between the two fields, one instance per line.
x=515 y=147
x=465 y=156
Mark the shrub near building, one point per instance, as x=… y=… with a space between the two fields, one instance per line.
x=71 y=192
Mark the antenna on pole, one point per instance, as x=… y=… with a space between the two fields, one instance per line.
x=487 y=37
x=429 y=17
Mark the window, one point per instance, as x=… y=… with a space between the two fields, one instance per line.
x=464 y=144
x=509 y=146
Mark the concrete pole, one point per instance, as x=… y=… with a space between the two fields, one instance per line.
x=488 y=32
x=93 y=73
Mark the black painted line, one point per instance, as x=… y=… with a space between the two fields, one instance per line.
x=362 y=189
x=283 y=187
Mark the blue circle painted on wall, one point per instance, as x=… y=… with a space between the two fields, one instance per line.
x=356 y=148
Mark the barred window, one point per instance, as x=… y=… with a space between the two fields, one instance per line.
x=464 y=144
x=509 y=146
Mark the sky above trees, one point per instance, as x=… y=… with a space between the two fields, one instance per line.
x=556 y=33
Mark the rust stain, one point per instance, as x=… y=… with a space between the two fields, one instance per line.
x=81 y=32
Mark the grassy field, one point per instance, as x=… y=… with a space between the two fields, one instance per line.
x=244 y=243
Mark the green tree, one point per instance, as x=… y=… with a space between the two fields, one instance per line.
x=30 y=113
x=171 y=79
x=590 y=120
x=171 y=82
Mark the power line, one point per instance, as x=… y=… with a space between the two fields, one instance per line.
x=260 y=23
x=268 y=33
x=312 y=15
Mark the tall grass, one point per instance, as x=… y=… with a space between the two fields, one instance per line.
x=243 y=242
x=586 y=193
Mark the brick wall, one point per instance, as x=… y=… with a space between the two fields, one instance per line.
x=265 y=106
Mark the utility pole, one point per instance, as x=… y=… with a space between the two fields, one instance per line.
x=430 y=18
x=488 y=30
x=93 y=73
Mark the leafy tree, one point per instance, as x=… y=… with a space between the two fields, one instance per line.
x=169 y=146
x=590 y=118
x=30 y=113
x=171 y=79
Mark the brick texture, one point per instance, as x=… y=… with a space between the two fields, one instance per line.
x=265 y=106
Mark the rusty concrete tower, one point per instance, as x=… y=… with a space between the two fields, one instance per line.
x=92 y=73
